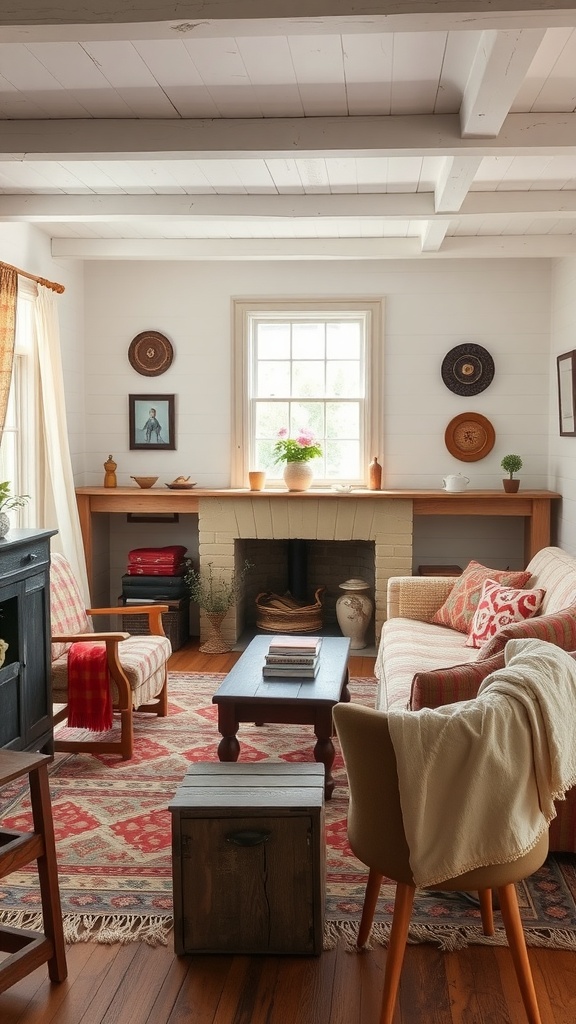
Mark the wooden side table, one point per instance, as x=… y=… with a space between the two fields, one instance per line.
x=29 y=949
x=248 y=858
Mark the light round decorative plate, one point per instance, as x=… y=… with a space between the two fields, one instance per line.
x=150 y=353
x=469 y=437
x=467 y=369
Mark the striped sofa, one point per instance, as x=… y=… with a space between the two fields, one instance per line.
x=421 y=664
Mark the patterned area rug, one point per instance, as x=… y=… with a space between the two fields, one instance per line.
x=113 y=832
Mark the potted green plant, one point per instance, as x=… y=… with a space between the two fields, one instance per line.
x=511 y=464
x=215 y=594
x=296 y=453
x=7 y=502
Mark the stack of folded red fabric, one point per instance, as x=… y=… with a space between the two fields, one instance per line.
x=167 y=561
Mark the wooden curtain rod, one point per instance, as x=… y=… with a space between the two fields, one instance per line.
x=53 y=285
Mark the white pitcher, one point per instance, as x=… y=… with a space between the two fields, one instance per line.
x=455 y=482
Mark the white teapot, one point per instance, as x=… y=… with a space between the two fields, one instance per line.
x=455 y=482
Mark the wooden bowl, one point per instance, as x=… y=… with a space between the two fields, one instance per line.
x=145 y=481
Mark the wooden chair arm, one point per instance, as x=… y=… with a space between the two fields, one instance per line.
x=153 y=611
x=75 y=638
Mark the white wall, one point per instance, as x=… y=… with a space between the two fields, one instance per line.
x=429 y=308
x=562 y=457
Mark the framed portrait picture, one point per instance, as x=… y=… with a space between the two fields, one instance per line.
x=151 y=422
x=566 y=364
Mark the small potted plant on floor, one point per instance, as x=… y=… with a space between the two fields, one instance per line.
x=511 y=464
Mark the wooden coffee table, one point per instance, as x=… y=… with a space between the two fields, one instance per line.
x=245 y=696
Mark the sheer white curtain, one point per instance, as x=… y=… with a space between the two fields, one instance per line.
x=56 y=494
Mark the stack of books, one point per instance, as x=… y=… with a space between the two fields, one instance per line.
x=292 y=657
x=155 y=575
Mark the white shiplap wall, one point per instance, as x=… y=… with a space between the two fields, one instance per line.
x=429 y=308
x=563 y=449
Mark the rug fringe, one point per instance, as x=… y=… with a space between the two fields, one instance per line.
x=106 y=930
x=447 y=938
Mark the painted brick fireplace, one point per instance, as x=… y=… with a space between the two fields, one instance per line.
x=386 y=526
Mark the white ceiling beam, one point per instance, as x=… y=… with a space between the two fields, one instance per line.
x=303 y=15
x=421 y=21
x=433 y=19
x=250 y=138
x=499 y=68
x=505 y=247
x=433 y=234
x=392 y=206
x=454 y=181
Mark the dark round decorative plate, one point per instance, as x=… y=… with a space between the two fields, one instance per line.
x=470 y=437
x=150 y=353
x=467 y=369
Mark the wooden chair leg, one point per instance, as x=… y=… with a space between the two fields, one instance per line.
x=485 y=897
x=370 y=901
x=398 y=936
x=48 y=872
x=126 y=734
x=515 y=935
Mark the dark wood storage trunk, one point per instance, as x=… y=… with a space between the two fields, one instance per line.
x=248 y=859
x=176 y=621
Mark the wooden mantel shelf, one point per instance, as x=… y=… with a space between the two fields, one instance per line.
x=532 y=505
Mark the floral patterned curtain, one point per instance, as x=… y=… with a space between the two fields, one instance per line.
x=8 y=295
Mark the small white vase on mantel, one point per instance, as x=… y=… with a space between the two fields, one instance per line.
x=354 y=610
x=298 y=476
x=4 y=524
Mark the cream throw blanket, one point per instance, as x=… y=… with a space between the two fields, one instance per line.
x=478 y=779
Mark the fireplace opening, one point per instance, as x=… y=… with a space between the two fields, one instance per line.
x=300 y=567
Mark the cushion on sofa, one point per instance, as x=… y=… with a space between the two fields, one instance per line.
x=500 y=606
x=559 y=629
x=450 y=685
x=459 y=607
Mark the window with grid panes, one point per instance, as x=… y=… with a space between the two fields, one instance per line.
x=308 y=366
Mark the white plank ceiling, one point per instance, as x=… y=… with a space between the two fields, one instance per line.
x=236 y=132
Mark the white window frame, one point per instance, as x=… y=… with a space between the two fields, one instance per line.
x=23 y=393
x=244 y=310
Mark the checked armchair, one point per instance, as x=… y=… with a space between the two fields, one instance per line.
x=137 y=665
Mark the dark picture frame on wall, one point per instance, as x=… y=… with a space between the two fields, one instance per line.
x=152 y=422
x=566 y=365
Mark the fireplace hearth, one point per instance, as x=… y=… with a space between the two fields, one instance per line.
x=366 y=538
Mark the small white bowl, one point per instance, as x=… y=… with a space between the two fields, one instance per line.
x=342 y=488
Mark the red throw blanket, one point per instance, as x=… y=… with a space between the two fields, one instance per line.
x=89 y=697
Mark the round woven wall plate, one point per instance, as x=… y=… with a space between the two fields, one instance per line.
x=469 y=437
x=150 y=353
x=467 y=369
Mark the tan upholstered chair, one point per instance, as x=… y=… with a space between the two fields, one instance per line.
x=377 y=837
x=137 y=665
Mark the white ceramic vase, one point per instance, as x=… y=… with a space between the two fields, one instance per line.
x=354 y=610
x=4 y=524
x=298 y=476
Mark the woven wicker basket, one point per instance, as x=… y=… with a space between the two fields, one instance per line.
x=305 y=618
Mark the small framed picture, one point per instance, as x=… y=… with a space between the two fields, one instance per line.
x=151 y=422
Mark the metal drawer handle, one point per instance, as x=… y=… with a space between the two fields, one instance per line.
x=32 y=557
x=248 y=837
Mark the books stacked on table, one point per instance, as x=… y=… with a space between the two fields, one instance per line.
x=155 y=574
x=295 y=657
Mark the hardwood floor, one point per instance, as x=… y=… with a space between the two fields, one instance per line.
x=137 y=984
